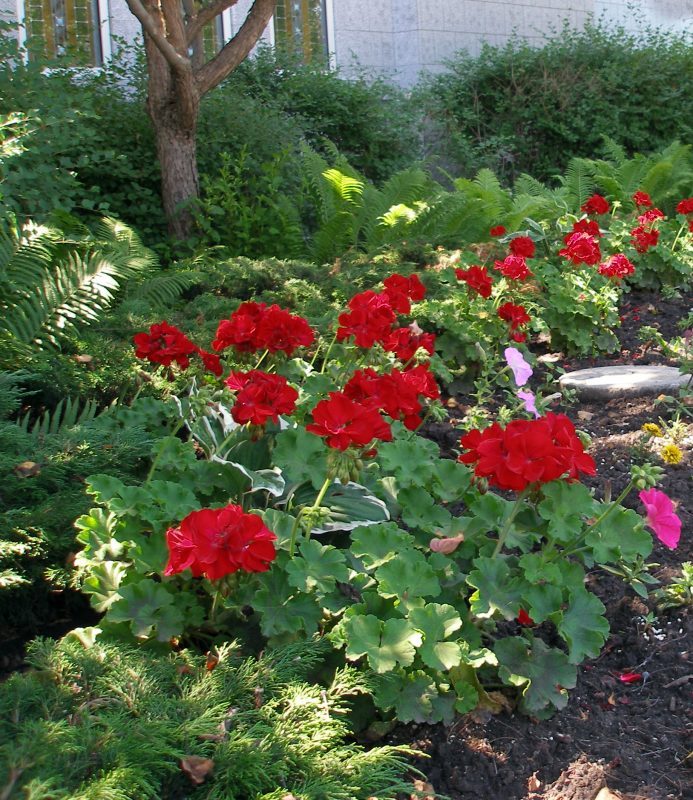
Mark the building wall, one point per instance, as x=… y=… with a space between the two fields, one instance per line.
x=402 y=38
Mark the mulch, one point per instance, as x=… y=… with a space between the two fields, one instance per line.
x=623 y=740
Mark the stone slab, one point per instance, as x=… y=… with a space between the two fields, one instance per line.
x=623 y=381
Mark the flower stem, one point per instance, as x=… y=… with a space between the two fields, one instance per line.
x=155 y=462
x=676 y=240
x=503 y=535
x=612 y=506
x=318 y=500
x=262 y=358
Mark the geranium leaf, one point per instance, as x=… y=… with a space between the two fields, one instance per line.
x=318 y=568
x=409 y=460
x=583 y=626
x=619 y=535
x=450 y=479
x=302 y=456
x=147 y=606
x=420 y=510
x=414 y=698
x=385 y=644
x=436 y=622
x=496 y=589
x=377 y=544
x=281 y=611
x=565 y=506
x=103 y=582
x=408 y=576
x=543 y=600
x=543 y=671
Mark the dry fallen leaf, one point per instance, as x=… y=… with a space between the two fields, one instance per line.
x=533 y=783
x=197 y=768
x=585 y=415
x=27 y=469
x=423 y=791
x=83 y=358
x=607 y=794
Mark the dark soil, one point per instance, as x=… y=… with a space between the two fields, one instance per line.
x=635 y=738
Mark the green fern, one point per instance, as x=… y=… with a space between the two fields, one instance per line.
x=66 y=414
x=578 y=181
x=50 y=284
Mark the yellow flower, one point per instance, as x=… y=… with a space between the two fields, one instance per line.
x=671 y=454
x=653 y=429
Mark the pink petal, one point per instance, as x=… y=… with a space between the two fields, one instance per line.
x=661 y=517
x=630 y=677
x=521 y=369
x=446 y=545
x=527 y=398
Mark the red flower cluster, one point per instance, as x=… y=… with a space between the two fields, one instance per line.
x=616 y=266
x=396 y=393
x=581 y=248
x=514 y=268
x=401 y=291
x=643 y=238
x=165 y=344
x=255 y=326
x=685 y=206
x=651 y=216
x=215 y=542
x=371 y=314
x=404 y=343
x=527 y=452
x=497 y=230
x=595 y=205
x=261 y=396
x=369 y=320
x=523 y=246
x=642 y=199
x=477 y=278
x=515 y=316
x=345 y=423
x=588 y=226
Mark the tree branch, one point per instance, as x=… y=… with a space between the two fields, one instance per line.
x=231 y=55
x=178 y=62
x=206 y=14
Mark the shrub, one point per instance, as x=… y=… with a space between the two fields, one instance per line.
x=141 y=725
x=518 y=108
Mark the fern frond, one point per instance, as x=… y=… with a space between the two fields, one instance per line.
x=578 y=181
x=165 y=288
x=66 y=414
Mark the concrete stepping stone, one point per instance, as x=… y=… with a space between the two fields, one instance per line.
x=623 y=381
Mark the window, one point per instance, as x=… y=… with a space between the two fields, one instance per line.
x=74 y=30
x=301 y=25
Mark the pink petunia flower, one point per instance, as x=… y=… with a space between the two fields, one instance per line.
x=521 y=369
x=661 y=517
x=527 y=398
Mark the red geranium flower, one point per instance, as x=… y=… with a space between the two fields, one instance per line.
x=642 y=238
x=522 y=246
x=523 y=618
x=279 y=330
x=211 y=361
x=642 y=199
x=515 y=315
x=400 y=291
x=260 y=396
x=514 y=268
x=215 y=542
x=423 y=380
x=369 y=320
x=240 y=330
x=581 y=248
x=164 y=344
x=497 y=230
x=527 y=452
x=616 y=266
x=685 y=206
x=588 y=226
x=650 y=216
x=344 y=423
x=595 y=205
x=477 y=278
x=404 y=343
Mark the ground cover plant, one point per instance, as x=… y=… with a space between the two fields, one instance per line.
x=141 y=724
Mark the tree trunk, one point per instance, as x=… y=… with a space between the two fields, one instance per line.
x=173 y=103
x=180 y=186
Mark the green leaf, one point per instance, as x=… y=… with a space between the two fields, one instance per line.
x=408 y=576
x=496 y=590
x=621 y=534
x=537 y=568
x=436 y=622
x=451 y=479
x=302 y=456
x=543 y=671
x=414 y=697
x=409 y=460
x=350 y=506
x=489 y=512
x=280 y=523
x=147 y=606
x=565 y=506
x=385 y=644
x=420 y=510
x=103 y=582
x=543 y=600
x=318 y=568
x=281 y=610
x=583 y=626
x=377 y=544
x=96 y=535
